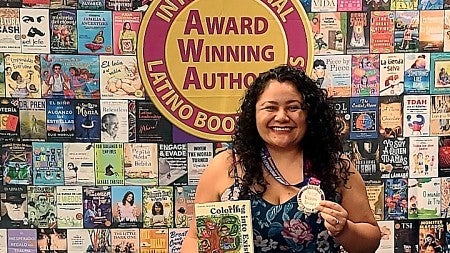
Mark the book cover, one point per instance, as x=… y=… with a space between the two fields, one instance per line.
x=406 y=35
x=69 y=206
x=35 y=31
x=158 y=206
x=2 y=76
x=125 y=240
x=22 y=77
x=89 y=240
x=60 y=120
x=64 y=35
x=396 y=199
x=176 y=238
x=22 y=239
x=14 y=207
x=423 y=153
x=366 y=158
x=131 y=120
x=48 y=162
x=78 y=75
x=17 y=163
x=444 y=156
x=87 y=120
x=439 y=78
x=3 y=241
x=424 y=196
x=392 y=70
x=126 y=206
x=10 y=30
x=445 y=197
x=341 y=107
x=358 y=40
x=97 y=207
x=114 y=115
x=349 y=5
x=430 y=5
x=375 y=196
x=439 y=112
x=154 y=240
x=42 y=206
x=109 y=164
x=391 y=117
x=36 y=3
x=365 y=75
x=394 y=157
x=382 y=32
x=141 y=163
x=94 y=32
x=431 y=235
x=416 y=115
x=120 y=77
x=387 y=236
x=446 y=31
x=430 y=32
x=52 y=240
x=323 y=6
x=79 y=164
x=223 y=226
x=199 y=155
x=172 y=164
x=364 y=118
x=375 y=5
x=151 y=125
x=9 y=115
x=184 y=205
x=402 y=5
x=126 y=26
x=91 y=5
x=406 y=236
x=11 y=3
x=329 y=31
x=333 y=73
x=66 y=4
x=119 y=5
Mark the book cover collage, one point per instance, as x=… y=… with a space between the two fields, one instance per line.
x=89 y=164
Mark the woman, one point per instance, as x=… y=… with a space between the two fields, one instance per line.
x=157 y=217
x=286 y=117
x=127 y=39
x=127 y=211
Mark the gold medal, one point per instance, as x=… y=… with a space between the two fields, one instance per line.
x=309 y=197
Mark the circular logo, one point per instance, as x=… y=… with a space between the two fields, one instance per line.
x=197 y=58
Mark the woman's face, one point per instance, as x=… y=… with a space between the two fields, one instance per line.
x=280 y=119
x=130 y=197
x=127 y=26
x=158 y=209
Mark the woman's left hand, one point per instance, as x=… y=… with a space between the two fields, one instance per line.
x=334 y=216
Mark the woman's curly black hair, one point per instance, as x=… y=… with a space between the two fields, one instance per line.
x=321 y=144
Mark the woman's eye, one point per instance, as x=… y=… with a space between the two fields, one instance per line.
x=294 y=108
x=269 y=108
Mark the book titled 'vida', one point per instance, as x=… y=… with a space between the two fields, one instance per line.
x=224 y=227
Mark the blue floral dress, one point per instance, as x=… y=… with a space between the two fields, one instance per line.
x=283 y=228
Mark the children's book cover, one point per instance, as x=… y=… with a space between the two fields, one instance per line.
x=176 y=238
x=114 y=115
x=444 y=156
x=439 y=112
x=120 y=77
x=89 y=240
x=60 y=120
x=63 y=25
x=69 y=206
x=396 y=199
x=94 y=32
x=358 y=40
x=14 y=206
x=151 y=125
x=173 y=164
x=430 y=32
x=230 y=230
x=154 y=240
x=416 y=115
x=406 y=236
x=445 y=197
x=364 y=118
x=431 y=235
x=35 y=31
x=48 y=162
x=22 y=239
x=52 y=240
x=423 y=153
x=382 y=32
x=424 y=195
x=365 y=75
x=392 y=70
x=91 y=5
x=365 y=156
x=125 y=240
x=9 y=115
x=387 y=236
x=439 y=77
x=32 y=115
x=349 y=5
x=22 y=77
x=87 y=120
x=97 y=207
x=70 y=76
x=141 y=163
x=184 y=205
x=109 y=164
x=341 y=107
x=42 y=206
x=126 y=26
x=126 y=206
x=329 y=31
x=16 y=161
x=158 y=206
x=199 y=155
x=333 y=73
x=394 y=157
x=406 y=35
x=79 y=163
x=132 y=120
x=10 y=30
x=390 y=120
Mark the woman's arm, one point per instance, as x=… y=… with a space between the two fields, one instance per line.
x=212 y=183
x=357 y=229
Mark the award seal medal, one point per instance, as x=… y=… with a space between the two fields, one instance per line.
x=309 y=196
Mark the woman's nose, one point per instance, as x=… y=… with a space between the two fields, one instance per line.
x=281 y=115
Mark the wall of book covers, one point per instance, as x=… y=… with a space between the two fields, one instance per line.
x=90 y=164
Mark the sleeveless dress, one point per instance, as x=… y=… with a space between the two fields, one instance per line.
x=283 y=228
